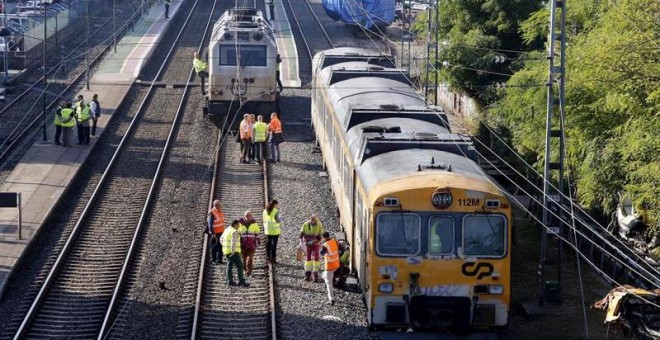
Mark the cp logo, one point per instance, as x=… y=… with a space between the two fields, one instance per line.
x=479 y=270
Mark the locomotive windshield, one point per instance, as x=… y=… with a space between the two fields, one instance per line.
x=250 y=55
x=398 y=234
x=484 y=235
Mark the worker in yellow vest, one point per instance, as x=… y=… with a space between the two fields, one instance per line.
x=310 y=235
x=68 y=123
x=231 y=248
x=215 y=228
x=83 y=116
x=201 y=67
x=249 y=231
x=259 y=137
x=330 y=253
x=272 y=223
x=58 y=122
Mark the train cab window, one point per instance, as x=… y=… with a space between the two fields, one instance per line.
x=484 y=235
x=398 y=234
x=251 y=55
x=441 y=235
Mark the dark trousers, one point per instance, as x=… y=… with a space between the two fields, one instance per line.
x=94 y=120
x=215 y=247
x=246 y=145
x=234 y=260
x=58 y=134
x=83 y=133
x=167 y=11
x=279 y=82
x=202 y=78
x=260 y=151
x=271 y=247
x=272 y=11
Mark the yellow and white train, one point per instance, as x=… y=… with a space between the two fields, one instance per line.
x=430 y=232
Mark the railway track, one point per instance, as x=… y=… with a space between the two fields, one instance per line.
x=78 y=297
x=316 y=32
x=223 y=311
x=24 y=114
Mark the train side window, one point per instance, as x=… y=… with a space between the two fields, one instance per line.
x=441 y=235
x=398 y=234
x=484 y=235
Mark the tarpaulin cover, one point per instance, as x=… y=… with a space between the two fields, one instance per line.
x=367 y=13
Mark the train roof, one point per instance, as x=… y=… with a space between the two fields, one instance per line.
x=375 y=137
x=361 y=99
x=333 y=56
x=420 y=168
x=360 y=68
x=239 y=20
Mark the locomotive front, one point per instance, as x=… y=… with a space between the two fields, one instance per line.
x=242 y=64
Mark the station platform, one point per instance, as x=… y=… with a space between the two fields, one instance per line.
x=286 y=46
x=47 y=170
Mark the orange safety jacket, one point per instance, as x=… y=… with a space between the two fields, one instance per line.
x=275 y=126
x=331 y=255
x=218 y=221
x=246 y=130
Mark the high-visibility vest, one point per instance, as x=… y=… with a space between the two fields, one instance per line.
x=68 y=119
x=231 y=242
x=249 y=235
x=277 y=66
x=260 y=132
x=58 y=117
x=271 y=226
x=246 y=130
x=83 y=115
x=331 y=254
x=218 y=221
x=275 y=125
x=312 y=231
x=199 y=65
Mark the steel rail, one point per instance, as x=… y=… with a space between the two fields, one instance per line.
x=20 y=137
x=302 y=32
x=154 y=186
x=120 y=148
x=318 y=21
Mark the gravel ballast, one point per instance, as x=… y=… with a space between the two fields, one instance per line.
x=295 y=181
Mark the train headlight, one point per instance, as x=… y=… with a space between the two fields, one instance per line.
x=442 y=199
x=385 y=287
x=495 y=289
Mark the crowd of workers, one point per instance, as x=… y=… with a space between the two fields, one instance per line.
x=79 y=114
x=254 y=137
x=239 y=241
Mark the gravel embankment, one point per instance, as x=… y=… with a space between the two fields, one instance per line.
x=301 y=191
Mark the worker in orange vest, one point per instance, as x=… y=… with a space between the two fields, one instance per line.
x=330 y=252
x=275 y=137
x=216 y=226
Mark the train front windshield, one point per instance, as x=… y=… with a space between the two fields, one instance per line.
x=411 y=234
x=250 y=55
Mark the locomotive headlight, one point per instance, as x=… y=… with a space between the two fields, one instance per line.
x=441 y=199
x=495 y=289
x=385 y=287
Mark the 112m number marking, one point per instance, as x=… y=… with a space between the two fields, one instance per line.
x=469 y=202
